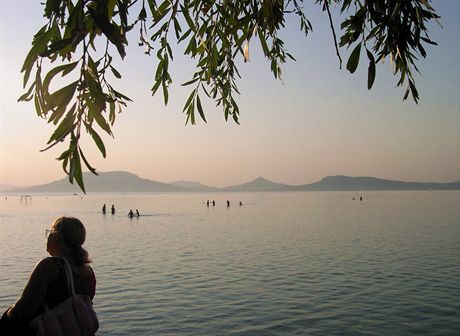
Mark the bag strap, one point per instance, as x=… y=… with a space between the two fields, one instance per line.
x=69 y=275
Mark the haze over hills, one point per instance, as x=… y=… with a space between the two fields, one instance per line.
x=340 y=182
x=116 y=181
x=4 y=187
x=259 y=184
x=194 y=186
x=119 y=181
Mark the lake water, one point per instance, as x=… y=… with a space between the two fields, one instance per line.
x=306 y=263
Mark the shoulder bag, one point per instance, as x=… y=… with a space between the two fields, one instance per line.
x=73 y=317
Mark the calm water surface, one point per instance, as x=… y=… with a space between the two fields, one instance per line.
x=313 y=263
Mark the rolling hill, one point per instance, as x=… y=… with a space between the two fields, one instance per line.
x=119 y=181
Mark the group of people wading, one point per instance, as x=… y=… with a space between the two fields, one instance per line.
x=214 y=203
x=131 y=213
x=112 y=209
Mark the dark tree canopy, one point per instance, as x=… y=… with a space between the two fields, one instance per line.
x=214 y=34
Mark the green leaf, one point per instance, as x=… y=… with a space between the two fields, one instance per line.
x=97 y=115
x=177 y=28
x=190 y=82
x=64 y=128
x=112 y=112
x=156 y=86
x=64 y=155
x=191 y=47
x=61 y=97
x=59 y=112
x=65 y=69
x=414 y=91
x=427 y=40
x=191 y=113
x=39 y=44
x=189 y=20
x=52 y=6
x=407 y=93
x=110 y=8
x=37 y=105
x=77 y=173
x=110 y=30
x=159 y=69
x=189 y=100
x=165 y=93
x=184 y=36
x=263 y=42
x=97 y=140
x=224 y=38
x=370 y=70
x=63 y=45
x=142 y=15
x=200 y=108
x=27 y=96
x=121 y=96
x=115 y=72
x=92 y=170
x=353 y=60
x=163 y=7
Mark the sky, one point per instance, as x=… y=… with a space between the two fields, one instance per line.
x=318 y=121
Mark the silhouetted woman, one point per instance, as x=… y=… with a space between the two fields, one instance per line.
x=48 y=281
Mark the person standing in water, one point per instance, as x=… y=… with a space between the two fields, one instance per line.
x=113 y=209
x=103 y=209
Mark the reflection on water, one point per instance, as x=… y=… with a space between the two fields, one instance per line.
x=282 y=264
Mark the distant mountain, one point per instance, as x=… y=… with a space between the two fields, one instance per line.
x=341 y=182
x=4 y=187
x=119 y=181
x=259 y=184
x=193 y=186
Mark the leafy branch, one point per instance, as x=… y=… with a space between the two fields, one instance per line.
x=214 y=33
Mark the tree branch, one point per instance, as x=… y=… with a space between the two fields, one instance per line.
x=326 y=6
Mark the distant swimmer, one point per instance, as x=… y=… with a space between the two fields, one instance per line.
x=137 y=213
x=228 y=203
x=130 y=214
x=113 y=209
x=207 y=203
x=360 y=198
x=103 y=209
x=213 y=203
x=241 y=203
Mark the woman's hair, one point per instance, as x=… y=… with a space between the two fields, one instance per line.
x=74 y=235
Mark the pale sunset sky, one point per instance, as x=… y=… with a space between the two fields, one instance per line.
x=318 y=121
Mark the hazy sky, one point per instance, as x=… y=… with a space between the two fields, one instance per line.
x=318 y=121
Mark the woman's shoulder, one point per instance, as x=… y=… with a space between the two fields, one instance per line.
x=84 y=270
x=46 y=268
x=48 y=263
